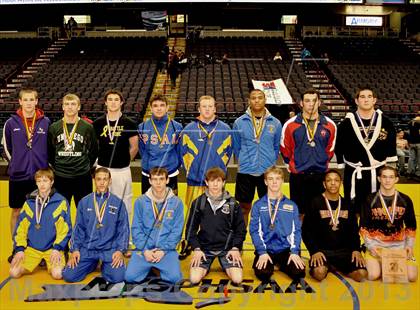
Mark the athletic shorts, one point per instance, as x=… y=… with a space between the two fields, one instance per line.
x=245 y=187
x=18 y=190
x=340 y=261
x=223 y=260
x=33 y=257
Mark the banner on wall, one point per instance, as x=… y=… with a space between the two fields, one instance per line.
x=275 y=91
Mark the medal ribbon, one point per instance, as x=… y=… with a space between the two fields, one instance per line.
x=68 y=138
x=394 y=206
x=159 y=215
x=366 y=131
x=100 y=213
x=334 y=215
x=111 y=135
x=29 y=131
x=257 y=130
x=39 y=207
x=270 y=212
x=310 y=132
x=160 y=138
x=208 y=134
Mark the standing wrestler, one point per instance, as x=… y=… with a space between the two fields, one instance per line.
x=159 y=144
x=118 y=145
x=206 y=142
x=307 y=145
x=366 y=140
x=256 y=144
x=72 y=151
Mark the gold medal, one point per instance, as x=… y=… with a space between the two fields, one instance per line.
x=68 y=137
x=209 y=135
x=390 y=216
x=29 y=131
x=100 y=212
x=99 y=226
x=160 y=138
x=334 y=227
x=159 y=215
x=40 y=204
x=111 y=131
x=37 y=226
x=312 y=143
x=389 y=225
x=258 y=128
x=310 y=132
x=333 y=215
x=272 y=226
x=272 y=213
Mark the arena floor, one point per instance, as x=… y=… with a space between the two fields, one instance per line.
x=336 y=292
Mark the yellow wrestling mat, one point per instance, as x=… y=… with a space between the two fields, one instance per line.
x=335 y=292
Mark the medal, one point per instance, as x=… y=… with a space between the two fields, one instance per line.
x=158 y=215
x=258 y=128
x=365 y=130
x=209 y=135
x=111 y=133
x=68 y=138
x=334 y=215
x=310 y=132
x=271 y=213
x=391 y=216
x=100 y=212
x=40 y=204
x=160 y=138
x=29 y=131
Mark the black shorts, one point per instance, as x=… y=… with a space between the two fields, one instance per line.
x=245 y=187
x=223 y=260
x=18 y=191
x=339 y=260
x=304 y=187
x=145 y=184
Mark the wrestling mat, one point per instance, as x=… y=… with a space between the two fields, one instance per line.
x=39 y=291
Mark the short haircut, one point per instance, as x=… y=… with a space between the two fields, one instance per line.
x=71 y=97
x=215 y=173
x=330 y=171
x=362 y=88
x=311 y=91
x=386 y=167
x=274 y=169
x=28 y=91
x=158 y=97
x=206 y=97
x=256 y=90
x=114 y=92
x=45 y=172
x=102 y=169
x=159 y=171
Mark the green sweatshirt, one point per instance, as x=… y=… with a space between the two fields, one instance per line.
x=79 y=156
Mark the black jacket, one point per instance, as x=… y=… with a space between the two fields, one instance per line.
x=210 y=230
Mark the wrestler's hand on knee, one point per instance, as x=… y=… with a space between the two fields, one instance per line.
x=262 y=261
x=74 y=259
x=17 y=259
x=317 y=260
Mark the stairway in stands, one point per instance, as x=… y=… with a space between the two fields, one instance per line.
x=163 y=82
x=332 y=99
x=33 y=67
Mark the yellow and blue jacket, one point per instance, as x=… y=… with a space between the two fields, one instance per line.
x=54 y=229
x=201 y=150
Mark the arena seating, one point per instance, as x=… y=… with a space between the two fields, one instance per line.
x=387 y=65
x=90 y=66
x=14 y=52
